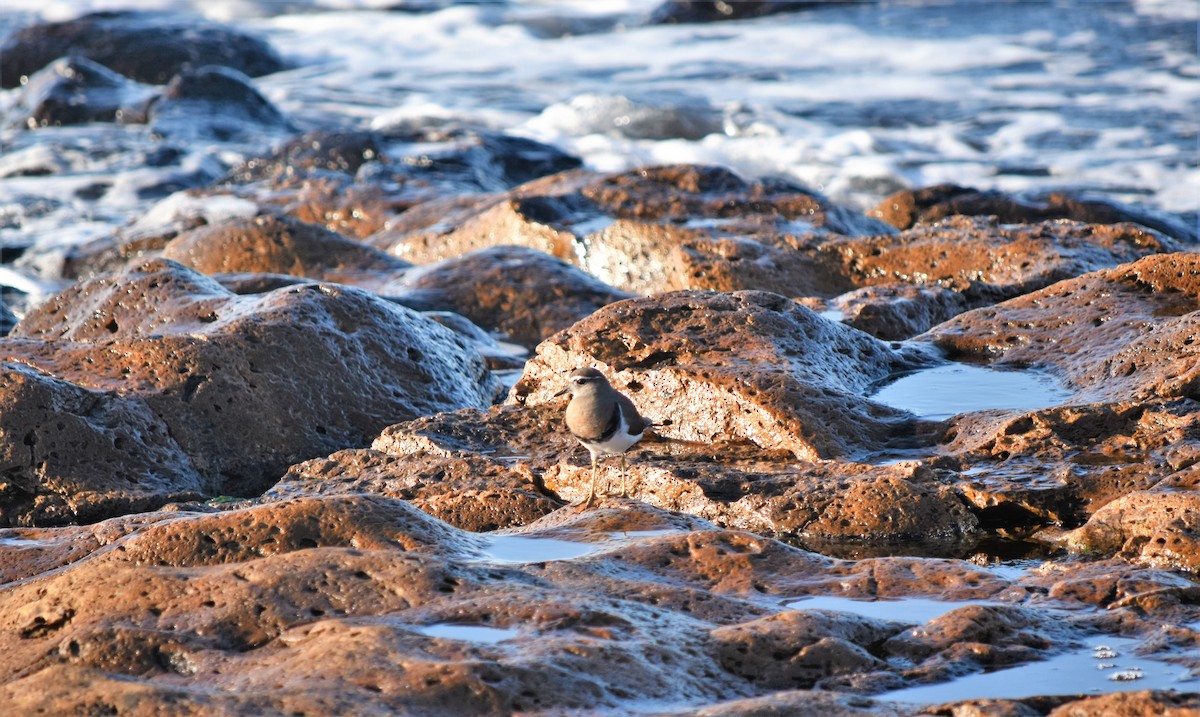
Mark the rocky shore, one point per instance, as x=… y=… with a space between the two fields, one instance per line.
x=290 y=443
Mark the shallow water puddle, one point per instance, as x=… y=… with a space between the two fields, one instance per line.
x=908 y=610
x=519 y=549
x=515 y=549
x=467 y=633
x=950 y=389
x=1101 y=664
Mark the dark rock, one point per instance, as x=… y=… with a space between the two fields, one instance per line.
x=74 y=90
x=246 y=386
x=215 y=103
x=520 y=292
x=744 y=365
x=661 y=117
x=930 y=204
x=144 y=46
x=269 y=244
x=312 y=153
x=681 y=11
x=653 y=229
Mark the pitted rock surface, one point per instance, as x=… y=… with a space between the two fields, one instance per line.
x=522 y=293
x=350 y=603
x=742 y=365
x=241 y=386
x=1127 y=333
x=144 y=46
x=282 y=246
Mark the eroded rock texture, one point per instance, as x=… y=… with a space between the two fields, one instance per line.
x=195 y=388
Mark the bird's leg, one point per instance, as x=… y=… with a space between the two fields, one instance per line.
x=592 y=491
x=624 y=492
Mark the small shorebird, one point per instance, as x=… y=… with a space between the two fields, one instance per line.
x=603 y=419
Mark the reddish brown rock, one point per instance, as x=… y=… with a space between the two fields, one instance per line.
x=1127 y=333
x=653 y=229
x=1132 y=704
x=145 y=46
x=350 y=604
x=840 y=507
x=931 y=204
x=241 y=386
x=798 y=648
x=282 y=246
x=468 y=490
x=745 y=365
x=72 y=453
x=1160 y=528
x=522 y=293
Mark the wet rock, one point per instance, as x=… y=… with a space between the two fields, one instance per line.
x=798 y=648
x=375 y=606
x=523 y=293
x=619 y=116
x=931 y=204
x=1159 y=528
x=215 y=103
x=144 y=46
x=279 y=245
x=74 y=90
x=653 y=229
x=986 y=262
x=1126 y=333
x=728 y=366
x=7 y=319
x=680 y=11
x=79 y=454
x=469 y=491
x=897 y=312
x=1057 y=466
x=312 y=153
x=1132 y=704
x=247 y=386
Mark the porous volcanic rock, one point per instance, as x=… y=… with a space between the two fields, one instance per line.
x=72 y=453
x=510 y=464
x=358 y=604
x=651 y=229
x=75 y=90
x=144 y=46
x=1159 y=527
x=1126 y=333
x=696 y=227
x=1132 y=704
x=931 y=204
x=520 y=292
x=244 y=385
x=216 y=103
x=726 y=366
x=280 y=245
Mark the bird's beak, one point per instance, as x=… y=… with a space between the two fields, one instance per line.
x=563 y=390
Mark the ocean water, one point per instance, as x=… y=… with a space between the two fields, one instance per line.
x=854 y=100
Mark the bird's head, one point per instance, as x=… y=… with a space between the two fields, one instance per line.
x=583 y=381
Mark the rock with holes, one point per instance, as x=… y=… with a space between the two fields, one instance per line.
x=799 y=648
x=145 y=46
x=367 y=604
x=522 y=293
x=242 y=386
x=933 y=204
x=280 y=245
x=1158 y=527
x=726 y=366
x=1126 y=333
x=652 y=229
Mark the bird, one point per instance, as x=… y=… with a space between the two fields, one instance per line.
x=603 y=419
